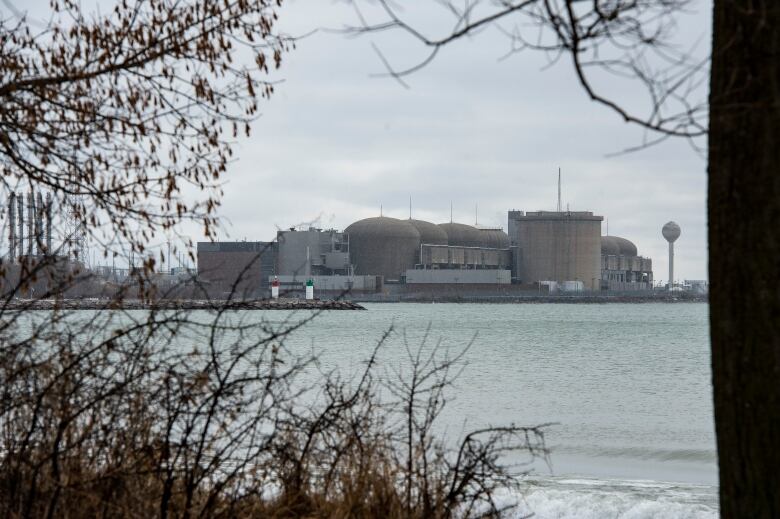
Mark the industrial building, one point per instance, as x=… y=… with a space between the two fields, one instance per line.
x=238 y=270
x=36 y=227
x=622 y=268
x=32 y=266
x=397 y=249
x=550 y=250
x=383 y=246
x=471 y=255
x=556 y=246
x=312 y=252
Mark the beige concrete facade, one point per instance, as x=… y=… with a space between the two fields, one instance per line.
x=556 y=246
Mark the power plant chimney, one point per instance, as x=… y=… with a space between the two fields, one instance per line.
x=11 y=226
x=20 y=220
x=671 y=232
x=48 y=223
x=39 y=210
x=30 y=222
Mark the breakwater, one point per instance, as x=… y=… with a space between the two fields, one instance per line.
x=581 y=298
x=179 y=304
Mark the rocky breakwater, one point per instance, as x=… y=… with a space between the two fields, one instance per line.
x=183 y=304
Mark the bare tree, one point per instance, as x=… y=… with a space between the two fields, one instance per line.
x=741 y=120
x=127 y=119
x=386 y=456
x=743 y=210
x=630 y=40
x=117 y=114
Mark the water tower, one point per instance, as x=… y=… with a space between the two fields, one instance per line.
x=671 y=232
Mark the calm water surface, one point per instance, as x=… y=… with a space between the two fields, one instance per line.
x=628 y=385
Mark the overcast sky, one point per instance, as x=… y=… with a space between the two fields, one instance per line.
x=334 y=144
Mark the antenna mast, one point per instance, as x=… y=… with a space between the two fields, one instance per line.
x=559 y=190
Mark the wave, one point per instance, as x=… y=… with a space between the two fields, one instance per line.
x=584 y=498
x=641 y=453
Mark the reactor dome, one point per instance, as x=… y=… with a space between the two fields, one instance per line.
x=494 y=239
x=383 y=246
x=627 y=248
x=617 y=246
x=430 y=233
x=461 y=235
x=671 y=232
x=609 y=246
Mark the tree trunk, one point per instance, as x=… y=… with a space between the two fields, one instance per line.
x=744 y=240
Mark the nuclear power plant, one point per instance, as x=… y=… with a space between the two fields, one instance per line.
x=551 y=251
x=540 y=252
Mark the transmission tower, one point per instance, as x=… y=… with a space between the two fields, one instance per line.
x=75 y=234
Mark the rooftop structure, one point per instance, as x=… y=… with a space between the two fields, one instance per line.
x=312 y=252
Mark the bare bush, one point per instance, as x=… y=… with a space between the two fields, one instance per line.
x=212 y=417
x=126 y=119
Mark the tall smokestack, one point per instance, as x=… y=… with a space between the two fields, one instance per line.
x=20 y=221
x=11 y=226
x=48 y=223
x=30 y=222
x=39 y=223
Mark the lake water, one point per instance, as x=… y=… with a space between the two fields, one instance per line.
x=628 y=386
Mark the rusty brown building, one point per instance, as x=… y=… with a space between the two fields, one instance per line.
x=236 y=270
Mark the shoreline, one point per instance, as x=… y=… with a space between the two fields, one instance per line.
x=181 y=304
x=353 y=303
x=536 y=299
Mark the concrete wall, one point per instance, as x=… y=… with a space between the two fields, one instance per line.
x=457 y=276
x=454 y=257
x=636 y=271
x=620 y=286
x=448 y=291
x=330 y=283
x=556 y=246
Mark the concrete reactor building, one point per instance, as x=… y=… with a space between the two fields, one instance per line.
x=419 y=252
x=621 y=266
x=383 y=246
x=556 y=246
x=550 y=250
